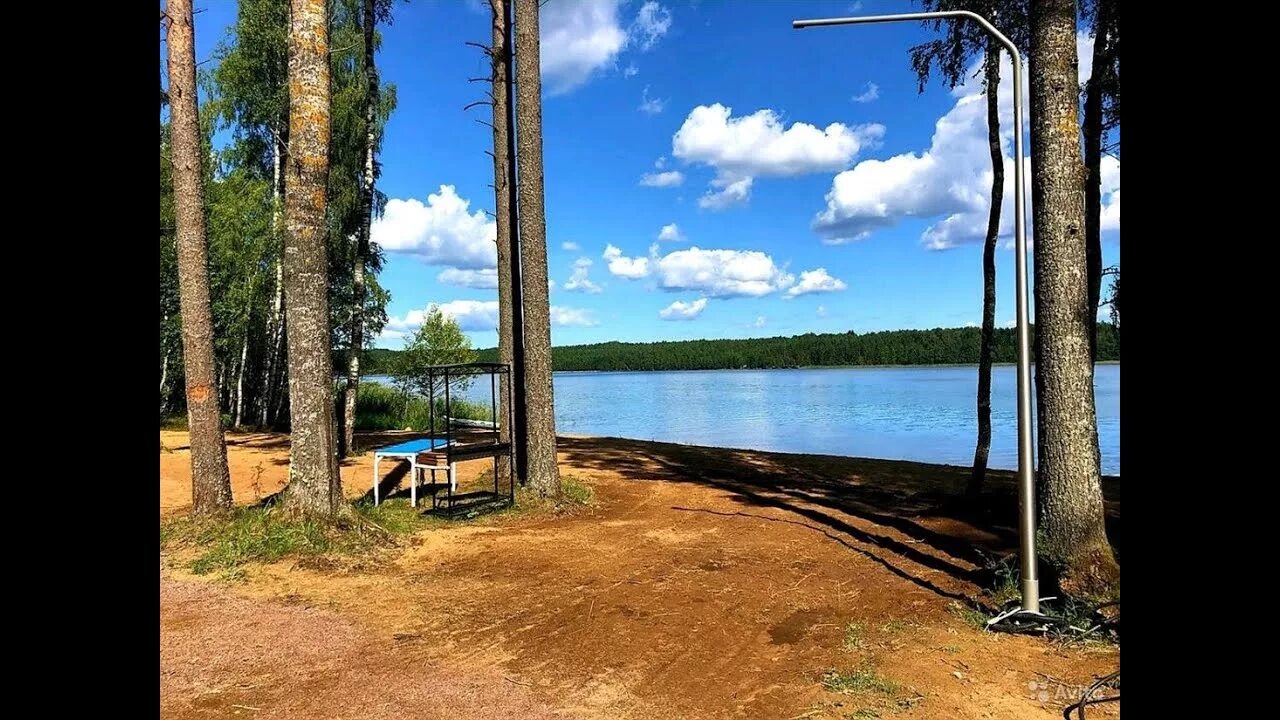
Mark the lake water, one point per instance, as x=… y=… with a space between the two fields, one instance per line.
x=905 y=413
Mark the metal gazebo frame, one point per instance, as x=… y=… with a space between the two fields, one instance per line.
x=472 y=439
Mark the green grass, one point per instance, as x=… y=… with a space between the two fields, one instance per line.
x=951 y=649
x=857 y=681
x=381 y=407
x=971 y=616
x=575 y=492
x=896 y=625
x=265 y=534
x=853 y=638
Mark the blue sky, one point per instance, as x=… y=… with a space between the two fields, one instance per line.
x=819 y=192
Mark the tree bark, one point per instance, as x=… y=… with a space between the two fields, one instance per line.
x=544 y=475
x=315 y=487
x=362 y=243
x=1093 y=169
x=980 y=454
x=1071 y=509
x=502 y=214
x=210 y=479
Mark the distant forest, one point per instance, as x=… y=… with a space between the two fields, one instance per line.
x=940 y=346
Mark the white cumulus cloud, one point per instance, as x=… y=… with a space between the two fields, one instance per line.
x=683 y=310
x=484 y=279
x=479 y=316
x=440 y=232
x=815 y=281
x=582 y=38
x=626 y=267
x=950 y=182
x=670 y=233
x=721 y=273
x=759 y=145
x=578 y=280
x=570 y=246
x=731 y=191
x=759 y=322
x=748 y=146
x=571 y=317
x=718 y=273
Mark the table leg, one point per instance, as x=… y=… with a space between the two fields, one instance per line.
x=376 y=459
x=413 y=482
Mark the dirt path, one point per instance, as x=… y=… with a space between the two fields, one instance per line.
x=707 y=584
x=225 y=656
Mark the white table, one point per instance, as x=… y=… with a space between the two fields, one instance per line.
x=409 y=450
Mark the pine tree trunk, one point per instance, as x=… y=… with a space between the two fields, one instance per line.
x=980 y=454
x=362 y=246
x=1070 y=493
x=1093 y=170
x=544 y=475
x=210 y=479
x=315 y=487
x=275 y=335
x=502 y=213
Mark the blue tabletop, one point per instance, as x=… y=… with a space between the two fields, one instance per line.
x=411 y=446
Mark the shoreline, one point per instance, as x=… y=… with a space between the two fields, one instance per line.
x=801 y=367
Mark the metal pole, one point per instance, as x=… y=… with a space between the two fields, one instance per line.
x=1026 y=478
x=515 y=381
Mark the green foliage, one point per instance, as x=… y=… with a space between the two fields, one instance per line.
x=246 y=94
x=939 y=346
x=438 y=341
x=379 y=407
x=961 y=40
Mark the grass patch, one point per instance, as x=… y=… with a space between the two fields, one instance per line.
x=971 y=616
x=265 y=534
x=381 y=407
x=853 y=638
x=858 y=681
x=575 y=492
x=896 y=625
x=951 y=649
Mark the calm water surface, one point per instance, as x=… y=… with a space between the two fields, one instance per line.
x=912 y=413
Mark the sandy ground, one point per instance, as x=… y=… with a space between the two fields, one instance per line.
x=707 y=583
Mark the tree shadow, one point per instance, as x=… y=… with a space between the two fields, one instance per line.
x=944 y=531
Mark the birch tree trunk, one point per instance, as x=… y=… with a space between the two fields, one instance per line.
x=544 y=474
x=315 y=487
x=275 y=335
x=499 y=47
x=210 y=479
x=980 y=454
x=1071 y=510
x=362 y=242
x=244 y=357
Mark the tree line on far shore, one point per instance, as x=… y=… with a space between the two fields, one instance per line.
x=939 y=346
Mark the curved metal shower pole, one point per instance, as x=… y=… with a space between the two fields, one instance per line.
x=1026 y=479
